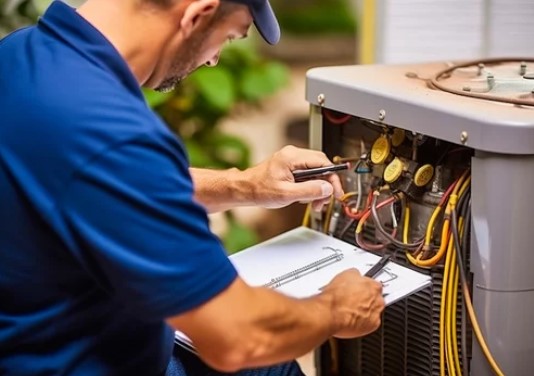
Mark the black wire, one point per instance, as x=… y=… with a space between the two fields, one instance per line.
x=467 y=226
x=457 y=246
x=383 y=231
x=465 y=239
x=464 y=202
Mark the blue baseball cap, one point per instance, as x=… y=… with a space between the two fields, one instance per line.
x=264 y=19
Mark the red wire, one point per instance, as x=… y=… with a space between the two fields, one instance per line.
x=358 y=214
x=365 y=216
x=335 y=120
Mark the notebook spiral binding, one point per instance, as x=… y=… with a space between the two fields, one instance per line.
x=309 y=268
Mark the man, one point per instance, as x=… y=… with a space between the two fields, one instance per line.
x=104 y=245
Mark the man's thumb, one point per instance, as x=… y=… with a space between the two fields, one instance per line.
x=312 y=190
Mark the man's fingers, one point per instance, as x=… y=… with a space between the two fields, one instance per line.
x=336 y=184
x=308 y=191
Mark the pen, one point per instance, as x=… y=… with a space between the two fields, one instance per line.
x=377 y=268
x=301 y=175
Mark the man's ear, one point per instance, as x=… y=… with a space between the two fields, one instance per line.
x=196 y=13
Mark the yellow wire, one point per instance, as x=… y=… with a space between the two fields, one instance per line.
x=442 y=247
x=461 y=185
x=460 y=182
x=430 y=226
x=442 y=311
x=464 y=187
x=307 y=215
x=478 y=332
x=454 y=327
x=454 y=301
x=451 y=310
x=329 y=210
x=406 y=224
x=348 y=195
x=448 y=338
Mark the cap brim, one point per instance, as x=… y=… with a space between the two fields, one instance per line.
x=265 y=21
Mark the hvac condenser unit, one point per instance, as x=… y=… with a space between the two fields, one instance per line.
x=442 y=178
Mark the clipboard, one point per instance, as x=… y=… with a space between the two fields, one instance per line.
x=301 y=261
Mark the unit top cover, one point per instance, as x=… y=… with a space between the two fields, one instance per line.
x=487 y=105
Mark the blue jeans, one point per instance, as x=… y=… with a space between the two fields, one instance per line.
x=185 y=363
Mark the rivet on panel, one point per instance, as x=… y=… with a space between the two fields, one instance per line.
x=382 y=114
x=463 y=137
x=320 y=99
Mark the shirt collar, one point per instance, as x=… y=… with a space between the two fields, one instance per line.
x=66 y=24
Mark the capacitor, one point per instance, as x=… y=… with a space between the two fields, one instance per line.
x=393 y=171
x=380 y=150
x=397 y=137
x=423 y=175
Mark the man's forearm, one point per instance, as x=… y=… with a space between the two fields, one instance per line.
x=260 y=327
x=219 y=190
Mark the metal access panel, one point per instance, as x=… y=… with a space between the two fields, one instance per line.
x=482 y=112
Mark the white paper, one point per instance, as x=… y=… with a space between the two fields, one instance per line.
x=294 y=250
x=297 y=248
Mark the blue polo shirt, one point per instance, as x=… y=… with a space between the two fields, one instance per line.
x=100 y=238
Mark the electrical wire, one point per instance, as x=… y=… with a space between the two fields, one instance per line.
x=467 y=299
x=348 y=209
x=307 y=215
x=448 y=346
x=459 y=184
x=406 y=223
x=328 y=218
x=453 y=304
x=443 y=308
x=380 y=228
x=465 y=213
x=359 y=228
x=329 y=115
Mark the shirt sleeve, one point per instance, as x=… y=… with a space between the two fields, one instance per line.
x=135 y=227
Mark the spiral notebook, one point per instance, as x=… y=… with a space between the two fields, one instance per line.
x=301 y=261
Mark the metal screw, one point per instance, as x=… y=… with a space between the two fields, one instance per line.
x=463 y=137
x=480 y=69
x=491 y=81
x=381 y=114
x=522 y=68
x=320 y=99
x=466 y=88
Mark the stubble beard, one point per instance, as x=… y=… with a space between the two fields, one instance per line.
x=185 y=62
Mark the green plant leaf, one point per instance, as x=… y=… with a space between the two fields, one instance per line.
x=238 y=236
x=197 y=154
x=155 y=98
x=231 y=150
x=217 y=86
x=262 y=81
x=239 y=54
x=278 y=75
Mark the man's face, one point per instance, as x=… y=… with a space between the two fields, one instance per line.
x=204 y=47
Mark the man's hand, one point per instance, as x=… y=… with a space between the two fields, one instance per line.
x=274 y=185
x=357 y=304
x=265 y=327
